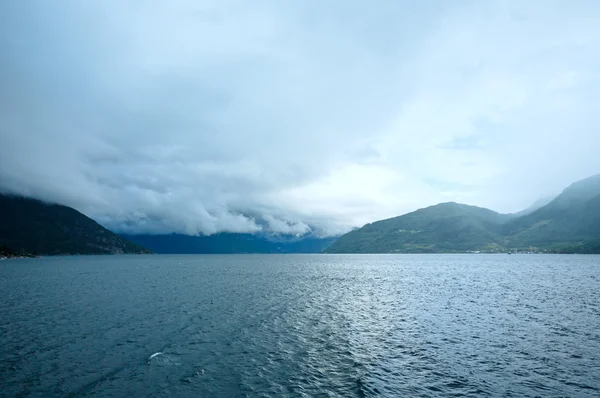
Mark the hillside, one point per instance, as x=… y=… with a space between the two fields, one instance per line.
x=227 y=243
x=568 y=223
x=572 y=217
x=28 y=226
x=447 y=227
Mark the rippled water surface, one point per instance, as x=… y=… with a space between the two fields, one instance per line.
x=301 y=325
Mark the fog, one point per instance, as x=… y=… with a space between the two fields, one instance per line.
x=315 y=117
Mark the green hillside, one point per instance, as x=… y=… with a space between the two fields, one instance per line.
x=446 y=227
x=574 y=216
x=29 y=226
x=570 y=222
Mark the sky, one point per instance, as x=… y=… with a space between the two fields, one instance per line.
x=306 y=117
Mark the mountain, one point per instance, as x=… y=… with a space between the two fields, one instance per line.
x=572 y=217
x=568 y=223
x=30 y=226
x=446 y=227
x=586 y=247
x=538 y=204
x=227 y=243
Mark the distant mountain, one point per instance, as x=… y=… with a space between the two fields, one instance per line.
x=447 y=227
x=568 y=223
x=29 y=226
x=538 y=204
x=572 y=217
x=227 y=243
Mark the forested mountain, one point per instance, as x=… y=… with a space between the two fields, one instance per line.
x=568 y=223
x=29 y=226
x=445 y=227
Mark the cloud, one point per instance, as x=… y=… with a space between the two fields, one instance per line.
x=284 y=227
x=200 y=117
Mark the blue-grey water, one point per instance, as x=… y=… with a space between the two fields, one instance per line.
x=301 y=325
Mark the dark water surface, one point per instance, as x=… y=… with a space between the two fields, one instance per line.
x=301 y=325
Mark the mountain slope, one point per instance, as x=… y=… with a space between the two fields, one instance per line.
x=31 y=226
x=447 y=227
x=570 y=223
x=227 y=243
x=535 y=206
x=573 y=216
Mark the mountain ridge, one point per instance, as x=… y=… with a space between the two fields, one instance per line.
x=33 y=227
x=570 y=221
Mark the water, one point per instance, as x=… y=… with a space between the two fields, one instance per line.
x=301 y=325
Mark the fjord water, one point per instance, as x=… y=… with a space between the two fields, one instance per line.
x=301 y=325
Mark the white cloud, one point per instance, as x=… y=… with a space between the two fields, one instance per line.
x=284 y=227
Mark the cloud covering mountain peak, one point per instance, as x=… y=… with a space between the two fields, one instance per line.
x=201 y=117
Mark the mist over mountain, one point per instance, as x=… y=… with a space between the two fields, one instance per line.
x=29 y=226
x=538 y=204
x=301 y=118
x=206 y=117
x=573 y=216
x=568 y=223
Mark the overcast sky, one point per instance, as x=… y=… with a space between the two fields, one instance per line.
x=204 y=116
